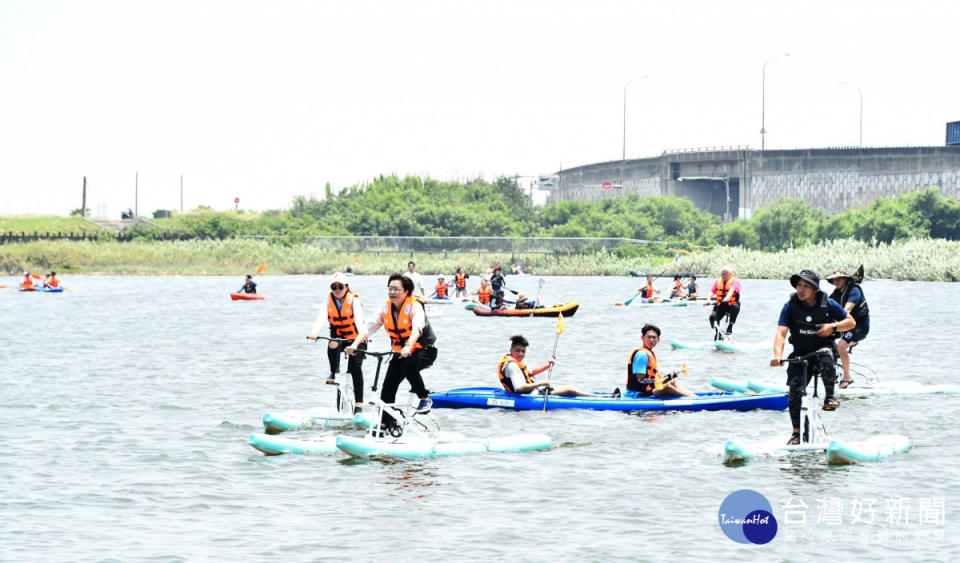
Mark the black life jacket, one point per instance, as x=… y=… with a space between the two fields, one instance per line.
x=860 y=311
x=803 y=321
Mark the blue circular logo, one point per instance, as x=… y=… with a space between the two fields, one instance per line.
x=746 y=516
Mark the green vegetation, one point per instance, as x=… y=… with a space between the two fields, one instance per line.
x=47 y=224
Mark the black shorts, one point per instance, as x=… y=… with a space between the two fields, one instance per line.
x=856 y=335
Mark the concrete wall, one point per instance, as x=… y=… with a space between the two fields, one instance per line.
x=834 y=180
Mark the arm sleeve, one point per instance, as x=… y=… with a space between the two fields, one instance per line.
x=713 y=288
x=784 y=315
x=855 y=297
x=736 y=286
x=516 y=376
x=374 y=325
x=418 y=318
x=321 y=318
x=836 y=311
x=358 y=316
x=639 y=369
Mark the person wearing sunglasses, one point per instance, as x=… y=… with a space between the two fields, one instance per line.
x=404 y=317
x=343 y=313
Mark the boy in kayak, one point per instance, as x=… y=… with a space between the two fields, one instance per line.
x=850 y=296
x=51 y=281
x=248 y=286
x=813 y=321
x=516 y=378
x=498 y=302
x=27 y=283
x=726 y=291
x=343 y=313
x=692 y=288
x=643 y=376
x=404 y=317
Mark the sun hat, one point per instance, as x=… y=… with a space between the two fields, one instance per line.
x=521 y=297
x=339 y=277
x=839 y=273
x=807 y=275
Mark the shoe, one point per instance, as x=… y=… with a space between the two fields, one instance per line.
x=357 y=409
x=424 y=406
x=616 y=393
x=332 y=380
x=794 y=439
x=729 y=330
x=831 y=404
x=845 y=383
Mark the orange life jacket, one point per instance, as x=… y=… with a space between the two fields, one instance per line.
x=723 y=288
x=53 y=282
x=27 y=283
x=441 y=290
x=645 y=384
x=401 y=330
x=343 y=320
x=505 y=379
x=484 y=295
x=461 y=281
x=677 y=287
x=648 y=291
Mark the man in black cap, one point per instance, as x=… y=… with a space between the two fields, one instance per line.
x=813 y=320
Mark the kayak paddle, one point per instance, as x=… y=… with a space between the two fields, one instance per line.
x=554 y=356
x=629 y=301
x=262 y=267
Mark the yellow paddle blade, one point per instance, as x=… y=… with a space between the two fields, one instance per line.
x=658 y=382
x=560 y=323
x=261 y=267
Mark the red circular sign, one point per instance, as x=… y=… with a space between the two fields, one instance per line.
x=607 y=185
x=236 y=200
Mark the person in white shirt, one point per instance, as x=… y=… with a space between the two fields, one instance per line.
x=417 y=279
x=342 y=311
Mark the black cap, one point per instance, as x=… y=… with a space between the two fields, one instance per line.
x=806 y=275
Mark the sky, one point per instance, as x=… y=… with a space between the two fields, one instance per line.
x=264 y=101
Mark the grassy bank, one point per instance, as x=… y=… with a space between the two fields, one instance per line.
x=932 y=260
x=47 y=224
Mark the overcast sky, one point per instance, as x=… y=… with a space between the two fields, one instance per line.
x=267 y=100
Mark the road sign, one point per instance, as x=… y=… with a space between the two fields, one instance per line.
x=607 y=185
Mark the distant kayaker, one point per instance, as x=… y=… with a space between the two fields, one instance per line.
x=692 y=288
x=51 y=281
x=440 y=291
x=404 y=317
x=342 y=311
x=460 y=283
x=498 y=302
x=523 y=302
x=726 y=292
x=417 y=279
x=849 y=295
x=516 y=378
x=648 y=291
x=643 y=376
x=677 y=291
x=27 y=283
x=497 y=281
x=483 y=293
x=249 y=286
x=813 y=321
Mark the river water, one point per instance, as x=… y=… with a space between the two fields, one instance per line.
x=126 y=403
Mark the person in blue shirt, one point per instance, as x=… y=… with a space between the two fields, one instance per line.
x=850 y=296
x=249 y=286
x=813 y=321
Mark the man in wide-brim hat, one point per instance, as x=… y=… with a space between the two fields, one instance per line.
x=849 y=295
x=813 y=321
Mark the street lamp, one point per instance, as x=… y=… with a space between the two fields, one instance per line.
x=624 y=157
x=763 y=106
x=859 y=91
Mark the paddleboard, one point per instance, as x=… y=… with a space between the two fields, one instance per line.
x=730 y=385
x=727 y=346
x=678 y=345
x=276 y=445
x=874 y=448
x=443 y=445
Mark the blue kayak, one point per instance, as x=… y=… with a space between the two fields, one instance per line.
x=497 y=397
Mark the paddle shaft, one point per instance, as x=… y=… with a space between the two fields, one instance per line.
x=556 y=342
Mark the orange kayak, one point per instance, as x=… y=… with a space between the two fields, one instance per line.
x=245 y=296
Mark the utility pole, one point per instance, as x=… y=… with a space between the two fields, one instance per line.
x=136 y=194
x=181 y=194
x=83 y=206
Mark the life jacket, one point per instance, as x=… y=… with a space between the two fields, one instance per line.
x=250 y=287
x=26 y=284
x=646 y=384
x=860 y=311
x=723 y=288
x=401 y=330
x=803 y=330
x=504 y=379
x=648 y=291
x=53 y=282
x=342 y=320
x=461 y=281
x=441 y=290
x=484 y=295
x=677 y=288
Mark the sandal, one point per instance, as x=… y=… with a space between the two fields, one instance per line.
x=794 y=439
x=845 y=383
x=830 y=404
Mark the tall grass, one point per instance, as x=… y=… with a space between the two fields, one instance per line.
x=923 y=259
x=46 y=224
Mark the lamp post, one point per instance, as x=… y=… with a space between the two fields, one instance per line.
x=631 y=81
x=763 y=103
x=859 y=91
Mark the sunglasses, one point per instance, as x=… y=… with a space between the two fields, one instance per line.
x=337 y=286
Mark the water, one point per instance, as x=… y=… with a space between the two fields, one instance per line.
x=125 y=406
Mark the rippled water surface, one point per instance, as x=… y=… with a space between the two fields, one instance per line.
x=125 y=406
